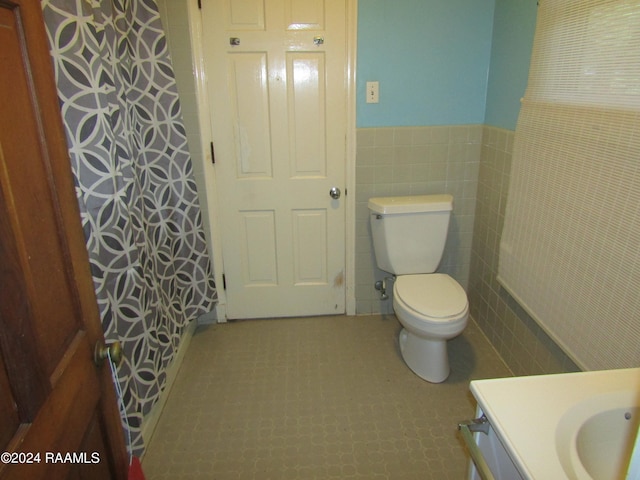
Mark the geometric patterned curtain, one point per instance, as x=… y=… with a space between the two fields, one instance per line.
x=134 y=182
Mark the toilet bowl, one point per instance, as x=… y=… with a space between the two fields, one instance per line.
x=409 y=235
x=432 y=309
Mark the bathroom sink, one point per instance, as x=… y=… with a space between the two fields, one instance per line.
x=595 y=438
x=577 y=426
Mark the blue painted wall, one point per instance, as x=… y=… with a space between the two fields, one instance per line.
x=431 y=58
x=513 y=29
x=443 y=62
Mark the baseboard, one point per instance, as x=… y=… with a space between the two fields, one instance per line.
x=217 y=315
x=150 y=421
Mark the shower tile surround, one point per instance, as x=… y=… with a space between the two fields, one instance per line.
x=415 y=161
x=471 y=162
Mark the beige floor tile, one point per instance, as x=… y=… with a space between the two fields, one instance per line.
x=315 y=398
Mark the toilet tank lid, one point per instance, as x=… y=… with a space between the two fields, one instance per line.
x=411 y=204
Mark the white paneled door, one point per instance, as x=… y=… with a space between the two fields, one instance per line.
x=277 y=77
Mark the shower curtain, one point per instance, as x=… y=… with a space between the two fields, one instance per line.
x=134 y=183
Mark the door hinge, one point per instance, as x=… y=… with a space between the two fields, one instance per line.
x=224 y=282
x=200 y=4
x=213 y=155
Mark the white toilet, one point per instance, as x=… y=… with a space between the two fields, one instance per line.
x=409 y=235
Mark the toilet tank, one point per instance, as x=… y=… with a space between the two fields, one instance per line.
x=410 y=232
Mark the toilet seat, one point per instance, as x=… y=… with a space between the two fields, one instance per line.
x=432 y=308
x=431 y=298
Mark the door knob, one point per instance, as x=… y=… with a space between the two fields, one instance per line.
x=334 y=193
x=102 y=352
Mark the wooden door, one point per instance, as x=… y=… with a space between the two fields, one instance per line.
x=58 y=411
x=279 y=104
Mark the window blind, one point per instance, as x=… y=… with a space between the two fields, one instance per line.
x=570 y=247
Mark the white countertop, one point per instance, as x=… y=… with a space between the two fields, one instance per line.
x=524 y=412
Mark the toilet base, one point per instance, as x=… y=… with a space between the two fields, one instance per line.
x=427 y=358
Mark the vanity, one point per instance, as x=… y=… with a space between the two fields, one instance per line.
x=564 y=426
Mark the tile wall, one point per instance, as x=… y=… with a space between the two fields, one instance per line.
x=523 y=345
x=415 y=161
x=471 y=162
x=175 y=20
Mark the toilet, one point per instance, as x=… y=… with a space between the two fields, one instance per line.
x=409 y=235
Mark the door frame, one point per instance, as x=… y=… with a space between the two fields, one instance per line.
x=213 y=208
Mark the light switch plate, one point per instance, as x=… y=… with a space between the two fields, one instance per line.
x=372 y=92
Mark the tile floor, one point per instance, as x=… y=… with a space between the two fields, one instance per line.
x=315 y=398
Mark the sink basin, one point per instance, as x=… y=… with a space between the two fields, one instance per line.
x=595 y=438
x=577 y=426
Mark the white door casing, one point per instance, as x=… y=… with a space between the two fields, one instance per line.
x=278 y=75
